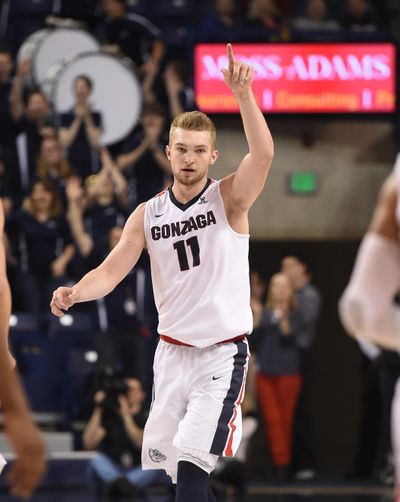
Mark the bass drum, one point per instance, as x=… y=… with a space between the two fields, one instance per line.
x=116 y=93
x=47 y=47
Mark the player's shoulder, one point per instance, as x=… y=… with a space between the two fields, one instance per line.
x=159 y=198
x=161 y=194
x=158 y=204
x=137 y=216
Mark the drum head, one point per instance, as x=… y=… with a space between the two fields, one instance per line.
x=58 y=45
x=116 y=94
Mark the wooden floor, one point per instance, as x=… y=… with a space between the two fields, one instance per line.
x=255 y=493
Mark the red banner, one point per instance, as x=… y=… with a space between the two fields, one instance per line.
x=302 y=78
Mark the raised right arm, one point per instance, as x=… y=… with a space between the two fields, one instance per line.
x=103 y=279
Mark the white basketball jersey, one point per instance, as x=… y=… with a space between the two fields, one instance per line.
x=200 y=268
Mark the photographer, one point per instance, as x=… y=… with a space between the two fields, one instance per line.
x=115 y=430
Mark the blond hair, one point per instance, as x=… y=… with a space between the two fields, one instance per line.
x=270 y=303
x=193 y=121
x=63 y=169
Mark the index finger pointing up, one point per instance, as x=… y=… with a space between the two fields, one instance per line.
x=231 y=59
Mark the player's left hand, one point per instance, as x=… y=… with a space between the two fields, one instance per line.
x=238 y=76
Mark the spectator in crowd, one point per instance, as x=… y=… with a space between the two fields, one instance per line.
x=133 y=36
x=315 y=20
x=224 y=24
x=275 y=341
x=52 y=165
x=106 y=202
x=308 y=302
x=80 y=130
x=180 y=96
x=265 y=22
x=41 y=233
x=115 y=430
x=307 y=296
x=122 y=312
x=33 y=123
x=360 y=19
x=144 y=163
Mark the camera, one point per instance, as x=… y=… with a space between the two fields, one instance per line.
x=113 y=386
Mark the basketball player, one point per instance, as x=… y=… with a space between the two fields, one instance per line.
x=24 y=436
x=367 y=307
x=196 y=233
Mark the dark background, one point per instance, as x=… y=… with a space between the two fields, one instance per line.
x=336 y=358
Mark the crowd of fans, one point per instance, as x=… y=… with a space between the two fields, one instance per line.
x=67 y=197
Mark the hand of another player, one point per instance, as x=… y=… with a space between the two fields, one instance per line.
x=63 y=298
x=238 y=76
x=30 y=464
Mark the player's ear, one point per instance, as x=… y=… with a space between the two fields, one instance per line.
x=214 y=156
x=168 y=152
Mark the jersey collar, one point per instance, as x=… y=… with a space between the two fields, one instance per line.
x=190 y=203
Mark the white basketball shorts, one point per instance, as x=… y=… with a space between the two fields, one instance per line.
x=195 y=414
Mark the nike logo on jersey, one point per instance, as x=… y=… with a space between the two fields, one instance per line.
x=158 y=215
x=217 y=378
x=183 y=227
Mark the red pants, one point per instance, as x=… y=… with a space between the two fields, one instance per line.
x=277 y=396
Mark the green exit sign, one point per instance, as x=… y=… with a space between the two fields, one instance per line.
x=303 y=183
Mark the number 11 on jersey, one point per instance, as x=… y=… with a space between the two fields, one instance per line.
x=180 y=247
